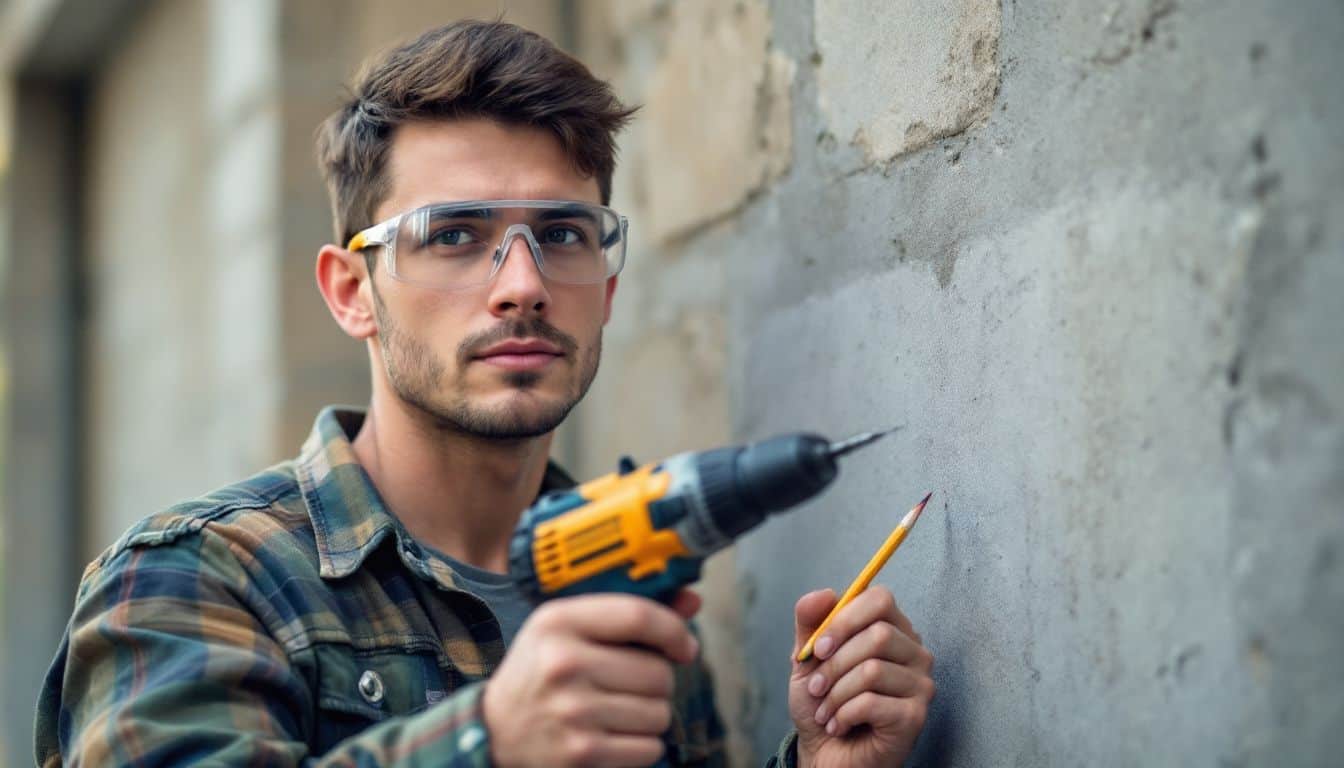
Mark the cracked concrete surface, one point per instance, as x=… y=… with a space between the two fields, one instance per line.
x=1106 y=311
x=894 y=77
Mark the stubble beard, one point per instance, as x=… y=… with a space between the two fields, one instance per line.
x=417 y=375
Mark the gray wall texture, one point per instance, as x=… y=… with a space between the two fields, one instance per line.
x=1088 y=255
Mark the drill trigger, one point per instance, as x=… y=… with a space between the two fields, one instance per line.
x=641 y=571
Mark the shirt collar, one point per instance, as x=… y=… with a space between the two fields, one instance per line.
x=349 y=518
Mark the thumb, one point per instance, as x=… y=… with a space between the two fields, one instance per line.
x=808 y=614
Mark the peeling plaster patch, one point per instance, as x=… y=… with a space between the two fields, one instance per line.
x=718 y=113
x=894 y=77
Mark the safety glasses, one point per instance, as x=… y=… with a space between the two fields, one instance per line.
x=453 y=246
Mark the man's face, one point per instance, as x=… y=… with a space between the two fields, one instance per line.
x=508 y=359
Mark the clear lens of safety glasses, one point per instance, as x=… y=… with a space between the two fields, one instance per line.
x=460 y=245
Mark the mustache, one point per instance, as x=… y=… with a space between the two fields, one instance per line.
x=516 y=329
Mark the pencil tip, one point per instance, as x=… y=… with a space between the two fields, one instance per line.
x=913 y=514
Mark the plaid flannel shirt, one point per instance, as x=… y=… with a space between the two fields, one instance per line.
x=291 y=620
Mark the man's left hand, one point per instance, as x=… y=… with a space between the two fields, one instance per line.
x=862 y=698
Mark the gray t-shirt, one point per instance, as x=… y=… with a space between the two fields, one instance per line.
x=496 y=589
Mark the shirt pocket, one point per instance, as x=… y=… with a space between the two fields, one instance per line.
x=357 y=689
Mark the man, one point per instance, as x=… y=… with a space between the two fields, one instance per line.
x=350 y=606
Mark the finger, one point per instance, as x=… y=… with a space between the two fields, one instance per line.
x=808 y=614
x=622 y=669
x=879 y=640
x=624 y=619
x=897 y=616
x=607 y=750
x=686 y=604
x=631 y=715
x=903 y=718
x=873 y=604
x=874 y=676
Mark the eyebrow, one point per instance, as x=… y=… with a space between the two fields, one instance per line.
x=576 y=211
x=463 y=213
x=567 y=212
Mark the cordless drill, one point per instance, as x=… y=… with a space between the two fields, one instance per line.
x=646 y=530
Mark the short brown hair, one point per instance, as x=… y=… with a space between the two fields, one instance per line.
x=465 y=69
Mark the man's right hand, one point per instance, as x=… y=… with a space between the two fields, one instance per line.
x=588 y=681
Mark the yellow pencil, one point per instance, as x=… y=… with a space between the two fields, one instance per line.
x=868 y=573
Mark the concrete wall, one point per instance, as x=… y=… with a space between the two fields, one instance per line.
x=1087 y=255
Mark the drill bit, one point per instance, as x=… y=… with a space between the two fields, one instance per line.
x=858 y=441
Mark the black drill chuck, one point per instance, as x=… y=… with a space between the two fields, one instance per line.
x=742 y=485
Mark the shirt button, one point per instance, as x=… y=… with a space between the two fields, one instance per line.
x=471 y=738
x=371 y=686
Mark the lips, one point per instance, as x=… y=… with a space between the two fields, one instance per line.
x=520 y=354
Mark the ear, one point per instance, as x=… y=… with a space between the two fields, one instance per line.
x=346 y=286
x=611 y=291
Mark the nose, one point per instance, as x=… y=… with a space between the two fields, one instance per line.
x=518 y=288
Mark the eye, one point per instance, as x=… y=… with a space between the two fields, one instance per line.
x=563 y=236
x=451 y=236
